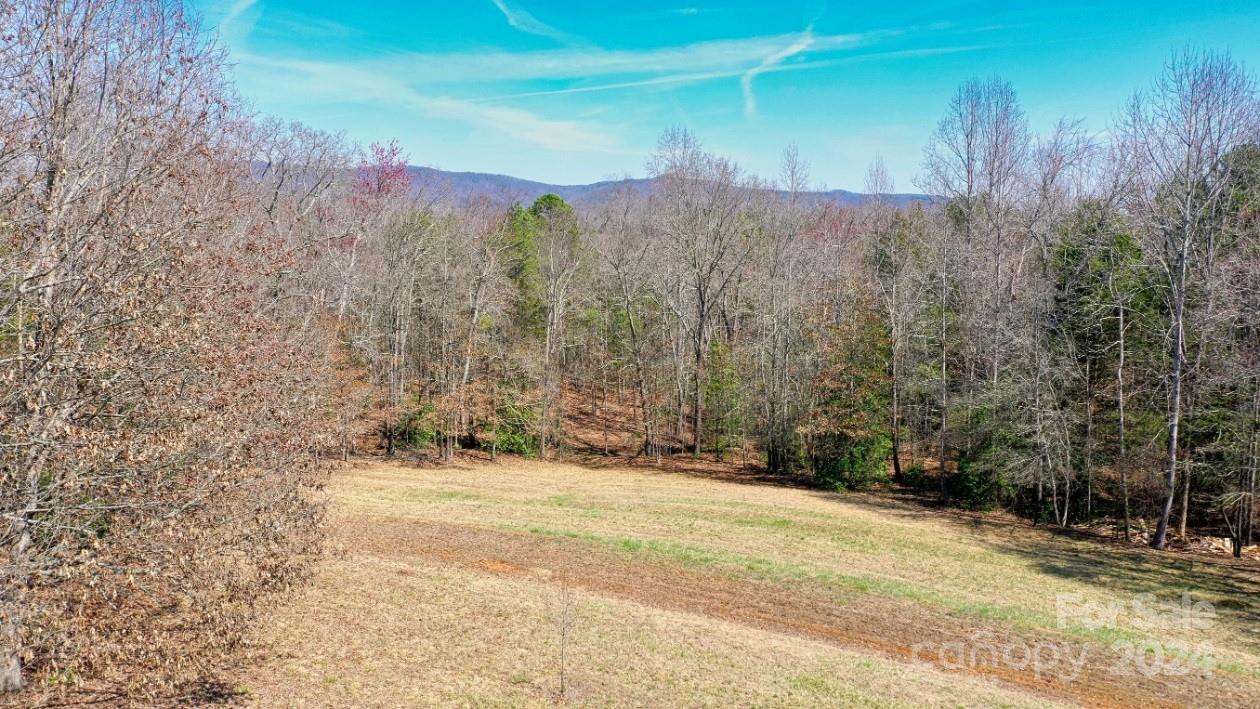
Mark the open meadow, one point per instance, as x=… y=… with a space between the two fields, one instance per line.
x=524 y=583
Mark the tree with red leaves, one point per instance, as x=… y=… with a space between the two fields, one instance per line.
x=382 y=176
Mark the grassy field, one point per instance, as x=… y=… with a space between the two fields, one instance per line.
x=529 y=584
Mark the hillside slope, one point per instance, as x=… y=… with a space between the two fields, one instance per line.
x=525 y=583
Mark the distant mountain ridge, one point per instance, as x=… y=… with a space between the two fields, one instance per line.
x=505 y=189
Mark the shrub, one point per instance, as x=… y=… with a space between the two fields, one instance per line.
x=916 y=477
x=419 y=428
x=846 y=463
x=979 y=485
x=514 y=427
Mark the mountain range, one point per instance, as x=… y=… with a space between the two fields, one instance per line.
x=504 y=189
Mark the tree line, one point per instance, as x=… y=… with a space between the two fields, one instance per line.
x=199 y=307
x=1066 y=327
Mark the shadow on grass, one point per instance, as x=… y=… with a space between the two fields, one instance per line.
x=1128 y=569
x=1063 y=552
x=210 y=692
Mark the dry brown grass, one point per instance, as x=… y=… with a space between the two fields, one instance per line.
x=698 y=592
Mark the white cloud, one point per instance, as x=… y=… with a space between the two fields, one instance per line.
x=521 y=19
x=675 y=79
x=723 y=55
x=438 y=86
x=333 y=82
x=802 y=43
x=236 y=9
x=668 y=80
x=692 y=78
x=239 y=21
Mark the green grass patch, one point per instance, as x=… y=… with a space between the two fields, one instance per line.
x=770 y=570
x=824 y=687
x=393 y=496
x=762 y=522
x=445 y=495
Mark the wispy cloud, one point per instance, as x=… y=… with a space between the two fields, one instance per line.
x=453 y=86
x=326 y=82
x=522 y=20
x=669 y=80
x=371 y=83
x=697 y=77
x=804 y=42
x=290 y=25
x=236 y=9
x=239 y=20
x=722 y=55
x=744 y=59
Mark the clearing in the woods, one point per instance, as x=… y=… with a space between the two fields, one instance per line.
x=524 y=583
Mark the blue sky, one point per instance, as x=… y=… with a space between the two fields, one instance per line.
x=573 y=92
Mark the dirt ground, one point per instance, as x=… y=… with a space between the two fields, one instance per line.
x=527 y=583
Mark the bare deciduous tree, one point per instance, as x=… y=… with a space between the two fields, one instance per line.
x=1178 y=135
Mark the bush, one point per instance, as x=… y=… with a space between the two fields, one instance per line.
x=916 y=477
x=514 y=429
x=418 y=429
x=845 y=463
x=513 y=439
x=978 y=485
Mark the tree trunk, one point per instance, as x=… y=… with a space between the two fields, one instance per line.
x=1124 y=461
x=896 y=423
x=1185 y=501
x=944 y=480
x=1067 y=502
x=1089 y=442
x=1160 y=539
x=1054 y=499
x=11 y=679
x=605 y=408
x=10 y=661
x=1247 y=529
x=698 y=399
x=680 y=391
x=1039 y=502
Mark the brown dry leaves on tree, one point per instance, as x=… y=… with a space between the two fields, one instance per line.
x=160 y=407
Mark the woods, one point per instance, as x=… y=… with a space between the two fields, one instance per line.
x=1064 y=317
x=1027 y=327
x=200 y=308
